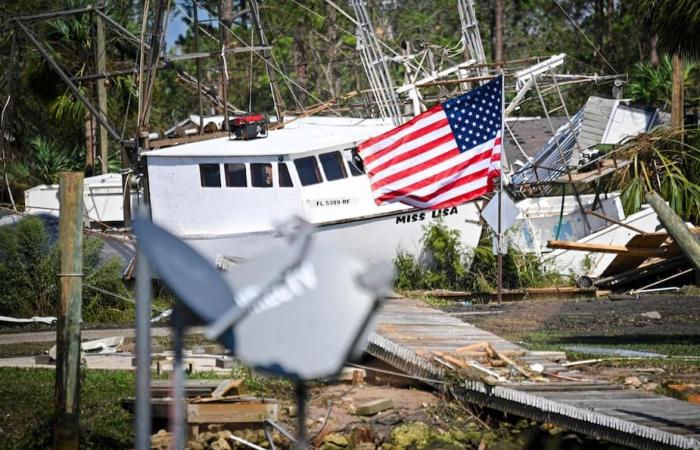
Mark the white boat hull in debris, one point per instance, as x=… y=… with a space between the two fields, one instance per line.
x=594 y=264
x=373 y=239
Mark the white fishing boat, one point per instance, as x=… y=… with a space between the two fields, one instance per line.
x=226 y=196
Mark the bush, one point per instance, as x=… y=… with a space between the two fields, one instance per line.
x=444 y=264
x=29 y=263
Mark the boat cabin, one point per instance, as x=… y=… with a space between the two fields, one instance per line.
x=223 y=186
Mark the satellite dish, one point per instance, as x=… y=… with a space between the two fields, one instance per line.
x=299 y=313
x=195 y=282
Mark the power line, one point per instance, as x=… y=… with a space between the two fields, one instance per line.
x=585 y=36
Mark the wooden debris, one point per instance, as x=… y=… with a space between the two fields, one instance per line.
x=512 y=363
x=553 y=356
x=373 y=407
x=582 y=362
x=226 y=387
x=231 y=412
x=607 y=248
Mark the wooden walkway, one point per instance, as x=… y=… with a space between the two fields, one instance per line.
x=410 y=332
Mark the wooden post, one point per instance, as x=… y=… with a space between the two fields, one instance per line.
x=101 y=66
x=677 y=229
x=677 y=101
x=70 y=241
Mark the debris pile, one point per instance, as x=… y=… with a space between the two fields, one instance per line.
x=484 y=362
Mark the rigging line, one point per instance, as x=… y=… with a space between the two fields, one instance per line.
x=4 y=161
x=277 y=69
x=120 y=297
x=357 y=24
x=585 y=36
x=274 y=60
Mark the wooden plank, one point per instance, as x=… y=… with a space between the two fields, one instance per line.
x=625 y=262
x=225 y=387
x=607 y=248
x=237 y=412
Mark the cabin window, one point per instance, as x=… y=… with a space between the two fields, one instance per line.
x=333 y=166
x=209 y=175
x=235 y=175
x=283 y=175
x=354 y=162
x=307 y=168
x=261 y=175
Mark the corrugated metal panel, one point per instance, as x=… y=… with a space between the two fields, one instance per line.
x=596 y=115
x=547 y=165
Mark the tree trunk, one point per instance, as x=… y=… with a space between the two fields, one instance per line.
x=654 y=53
x=677 y=107
x=300 y=65
x=498 y=31
x=89 y=143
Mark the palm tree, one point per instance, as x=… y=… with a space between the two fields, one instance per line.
x=677 y=24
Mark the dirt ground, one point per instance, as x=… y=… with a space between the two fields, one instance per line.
x=602 y=323
x=409 y=405
x=680 y=317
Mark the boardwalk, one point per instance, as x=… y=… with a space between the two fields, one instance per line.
x=409 y=332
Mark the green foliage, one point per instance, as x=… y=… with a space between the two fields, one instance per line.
x=445 y=264
x=26 y=398
x=676 y=22
x=49 y=159
x=652 y=85
x=666 y=162
x=29 y=263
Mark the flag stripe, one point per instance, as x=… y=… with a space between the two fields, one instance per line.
x=434 y=183
x=416 y=137
x=418 y=122
x=446 y=156
x=412 y=174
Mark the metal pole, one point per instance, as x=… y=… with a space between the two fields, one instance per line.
x=271 y=74
x=143 y=348
x=70 y=241
x=500 y=191
x=300 y=392
x=224 y=25
x=195 y=11
x=101 y=66
x=177 y=425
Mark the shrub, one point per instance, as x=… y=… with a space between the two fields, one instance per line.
x=29 y=263
x=444 y=264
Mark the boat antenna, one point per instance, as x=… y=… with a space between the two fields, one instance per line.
x=271 y=74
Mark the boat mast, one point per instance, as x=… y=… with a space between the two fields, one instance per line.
x=471 y=38
x=375 y=64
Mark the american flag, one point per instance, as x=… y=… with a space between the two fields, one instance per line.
x=444 y=157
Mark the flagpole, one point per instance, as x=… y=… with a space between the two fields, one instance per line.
x=500 y=190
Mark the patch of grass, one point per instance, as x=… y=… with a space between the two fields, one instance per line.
x=671 y=345
x=27 y=405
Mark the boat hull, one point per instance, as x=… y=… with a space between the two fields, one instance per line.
x=373 y=239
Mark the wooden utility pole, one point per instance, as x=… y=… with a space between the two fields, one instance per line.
x=70 y=242
x=499 y=31
x=677 y=229
x=101 y=66
x=677 y=101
